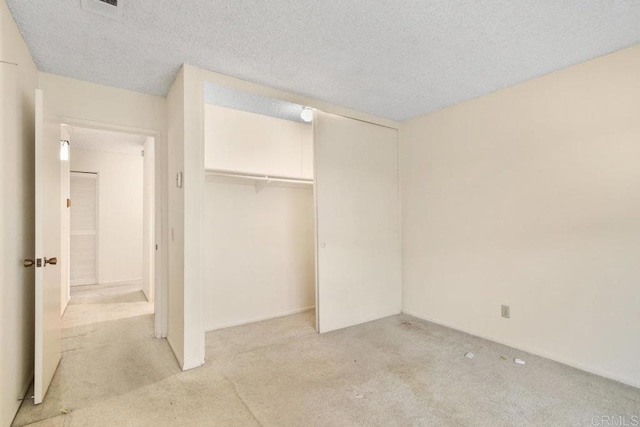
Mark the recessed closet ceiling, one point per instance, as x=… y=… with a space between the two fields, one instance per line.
x=104 y=140
x=395 y=59
x=244 y=101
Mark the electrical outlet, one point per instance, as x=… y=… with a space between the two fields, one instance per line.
x=506 y=312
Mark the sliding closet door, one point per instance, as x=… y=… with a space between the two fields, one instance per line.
x=357 y=197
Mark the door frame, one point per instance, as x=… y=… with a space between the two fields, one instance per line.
x=160 y=222
x=96 y=176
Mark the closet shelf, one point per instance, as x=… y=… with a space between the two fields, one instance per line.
x=260 y=180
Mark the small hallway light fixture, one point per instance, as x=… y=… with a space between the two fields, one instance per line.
x=64 y=150
x=307 y=114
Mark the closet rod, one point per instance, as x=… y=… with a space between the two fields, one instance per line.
x=256 y=177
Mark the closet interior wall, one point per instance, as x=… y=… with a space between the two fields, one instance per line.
x=258 y=232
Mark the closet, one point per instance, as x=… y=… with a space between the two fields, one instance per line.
x=298 y=214
x=259 y=213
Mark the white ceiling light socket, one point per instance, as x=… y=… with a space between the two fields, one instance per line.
x=307 y=114
x=107 y=8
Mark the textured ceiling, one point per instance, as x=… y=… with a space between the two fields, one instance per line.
x=103 y=140
x=238 y=100
x=393 y=58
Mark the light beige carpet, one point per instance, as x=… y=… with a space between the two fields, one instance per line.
x=394 y=371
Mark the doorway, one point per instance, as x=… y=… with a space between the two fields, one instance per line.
x=108 y=212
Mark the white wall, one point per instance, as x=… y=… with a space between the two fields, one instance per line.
x=120 y=208
x=175 y=290
x=530 y=197
x=260 y=252
x=65 y=228
x=102 y=107
x=254 y=143
x=185 y=135
x=148 y=233
x=16 y=216
x=193 y=200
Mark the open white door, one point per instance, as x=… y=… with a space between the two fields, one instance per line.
x=358 y=222
x=48 y=324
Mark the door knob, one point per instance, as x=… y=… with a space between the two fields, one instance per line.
x=28 y=263
x=52 y=261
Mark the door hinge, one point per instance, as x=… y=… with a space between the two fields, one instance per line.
x=68 y=203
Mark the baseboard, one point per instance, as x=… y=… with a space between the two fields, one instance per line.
x=26 y=387
x=66 y=304
x=192 y=364
x=121 y=282
x=175 y=354
x=23 y=395
x=258 y=319
x=113 y=283
x=82 y=282
x=577 y=365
